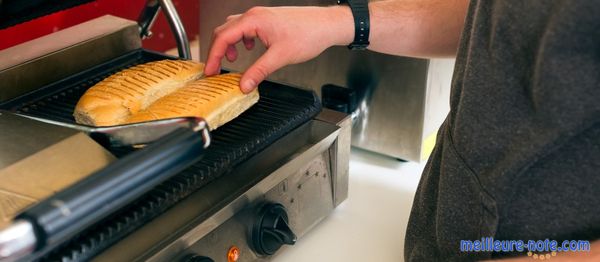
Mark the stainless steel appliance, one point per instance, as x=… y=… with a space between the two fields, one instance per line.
x=400 y=102
x=267 y=177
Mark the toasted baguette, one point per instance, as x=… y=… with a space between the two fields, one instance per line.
x=113 y=100
x=217 y=99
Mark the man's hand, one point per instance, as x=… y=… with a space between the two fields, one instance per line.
x=417 y=28
x=291 y=35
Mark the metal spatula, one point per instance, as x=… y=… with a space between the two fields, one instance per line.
x=137 y=134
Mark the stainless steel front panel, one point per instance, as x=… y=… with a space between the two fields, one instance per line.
x=305 y=195
x=319 y=147
x=405 y=99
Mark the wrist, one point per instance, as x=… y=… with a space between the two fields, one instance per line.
x=343 y=25
x=360 y=14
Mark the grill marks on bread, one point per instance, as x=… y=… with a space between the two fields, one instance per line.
x=217 y=99
x=163 y=89
x=113 y=100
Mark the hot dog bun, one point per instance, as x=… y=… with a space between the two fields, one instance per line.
x=217 y=99
x=113 y=100
x=164 y=89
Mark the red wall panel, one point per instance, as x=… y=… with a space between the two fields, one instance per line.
x=161 y=40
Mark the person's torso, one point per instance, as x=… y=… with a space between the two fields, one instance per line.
x=519 y=154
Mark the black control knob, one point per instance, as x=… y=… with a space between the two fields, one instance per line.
x=196 y=258
x=271 y=230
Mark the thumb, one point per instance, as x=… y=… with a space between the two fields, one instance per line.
x=268 y=63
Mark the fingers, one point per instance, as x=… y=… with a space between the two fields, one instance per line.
x=231 y=53
x=244 y=29
x=232 y=17
x=265 y=65
x=216 y=52
x=248 y=42
x=223 y=44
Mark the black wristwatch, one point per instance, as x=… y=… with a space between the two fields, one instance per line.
x=360 y=11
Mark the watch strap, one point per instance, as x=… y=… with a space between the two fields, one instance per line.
x=362 y=25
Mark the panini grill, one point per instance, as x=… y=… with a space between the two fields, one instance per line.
x=267 y=178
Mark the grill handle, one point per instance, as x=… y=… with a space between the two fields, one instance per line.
x=148 y=16
x=70 y=211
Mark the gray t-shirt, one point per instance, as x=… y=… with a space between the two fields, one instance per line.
x=518 y=156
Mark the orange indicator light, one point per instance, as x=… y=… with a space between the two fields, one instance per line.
x=233 y=254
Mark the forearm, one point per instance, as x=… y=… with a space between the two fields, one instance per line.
x=416 y=28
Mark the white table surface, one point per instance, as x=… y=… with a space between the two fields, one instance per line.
x=370 y=225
